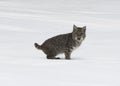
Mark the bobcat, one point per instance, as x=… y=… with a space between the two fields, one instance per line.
x=64 y=43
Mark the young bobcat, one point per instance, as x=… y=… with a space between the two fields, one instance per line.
x=64 y=43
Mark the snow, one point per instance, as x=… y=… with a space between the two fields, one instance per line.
x=24 y=22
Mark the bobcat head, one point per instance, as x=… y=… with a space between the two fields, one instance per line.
x=79 y=33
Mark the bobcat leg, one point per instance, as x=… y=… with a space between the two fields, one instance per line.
x=52 y=57
x=67 y=54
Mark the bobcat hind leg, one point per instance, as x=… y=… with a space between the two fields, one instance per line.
x=52 y=57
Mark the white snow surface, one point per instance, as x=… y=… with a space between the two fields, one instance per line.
x=95 y=63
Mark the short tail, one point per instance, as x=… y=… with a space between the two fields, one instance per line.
x=37 y=46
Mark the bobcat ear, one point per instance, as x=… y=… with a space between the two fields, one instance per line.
x=84 y=28
x=74 y=28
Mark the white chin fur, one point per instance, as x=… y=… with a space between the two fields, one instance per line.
x=81 y=39
x=78 y=43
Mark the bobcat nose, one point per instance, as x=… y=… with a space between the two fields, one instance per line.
x=78 y=38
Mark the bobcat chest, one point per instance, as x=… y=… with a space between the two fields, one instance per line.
x=77 y=44
x=74 y=48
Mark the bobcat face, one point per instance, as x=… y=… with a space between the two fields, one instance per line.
x=78 y=33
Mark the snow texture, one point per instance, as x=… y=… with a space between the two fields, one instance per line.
x=95 y=63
